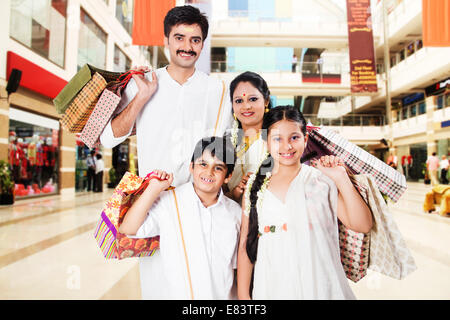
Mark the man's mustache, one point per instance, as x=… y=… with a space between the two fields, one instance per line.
x=187 y=52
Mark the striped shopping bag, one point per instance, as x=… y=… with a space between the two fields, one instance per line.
x=324 y=141
x=113 y=244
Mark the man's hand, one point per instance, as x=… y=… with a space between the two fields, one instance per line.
x=146 y=88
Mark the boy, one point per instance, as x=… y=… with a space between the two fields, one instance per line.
x=197 y=224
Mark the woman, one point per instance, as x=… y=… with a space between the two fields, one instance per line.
x=250 y=98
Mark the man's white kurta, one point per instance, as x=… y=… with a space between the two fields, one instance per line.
x=167 y=129
x=211 y=236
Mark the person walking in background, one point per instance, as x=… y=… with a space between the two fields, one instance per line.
x=432 y=166
x=294 y=63
x=392 y=161
x=99 y=167
x=444 y=169
x=90 y=162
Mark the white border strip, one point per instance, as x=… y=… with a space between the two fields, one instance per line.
x=28 y=117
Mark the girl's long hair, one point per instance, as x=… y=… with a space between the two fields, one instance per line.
x=274 y=115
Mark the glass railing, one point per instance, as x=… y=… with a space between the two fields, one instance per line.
x=347 y=120
x=306 y=68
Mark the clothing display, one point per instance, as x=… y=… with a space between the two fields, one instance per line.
x=33 y=160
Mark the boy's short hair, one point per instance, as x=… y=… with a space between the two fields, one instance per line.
x=220 y=147
x=185 y=15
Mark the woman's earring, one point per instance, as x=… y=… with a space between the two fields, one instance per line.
x=234 y=115
x=266 y=109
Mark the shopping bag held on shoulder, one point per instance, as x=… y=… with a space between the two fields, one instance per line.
x=78 y=81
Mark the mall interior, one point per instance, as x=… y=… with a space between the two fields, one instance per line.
x=300 y=47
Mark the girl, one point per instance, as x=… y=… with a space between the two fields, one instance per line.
x=250 y=98
x=289 y=232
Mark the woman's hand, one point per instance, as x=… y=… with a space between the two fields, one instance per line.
x=332 y=167
x=240 y=188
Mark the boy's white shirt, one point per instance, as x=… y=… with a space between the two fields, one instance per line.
x=211 y=237
x=167 y=128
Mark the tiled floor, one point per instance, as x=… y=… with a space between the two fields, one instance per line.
x=47 y=251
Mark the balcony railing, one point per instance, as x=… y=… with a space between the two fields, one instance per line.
x=310 y=71
x=347 y=121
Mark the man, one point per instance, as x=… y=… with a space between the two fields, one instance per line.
x=90 y=163
x=444 y=169
x=432 y=166
x=174 y=110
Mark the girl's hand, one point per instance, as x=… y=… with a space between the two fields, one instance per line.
x=161 y=181
x=332 y=167
x=240 y=188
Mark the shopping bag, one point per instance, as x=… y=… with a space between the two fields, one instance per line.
x=111 y=242
x=389 y=254
x=80 y=109
x=74 y=86
x=324 y=141
x=354 y=246
x=100 y=116
x=104 y=109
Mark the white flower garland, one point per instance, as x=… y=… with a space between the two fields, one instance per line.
x=260 y=193
x=234 y=133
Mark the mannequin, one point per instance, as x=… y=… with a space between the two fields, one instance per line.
x=32 y=153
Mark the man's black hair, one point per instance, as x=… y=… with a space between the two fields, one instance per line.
x=185 y=15
x=220 y=147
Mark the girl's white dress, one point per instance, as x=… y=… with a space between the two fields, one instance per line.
x=298 y=250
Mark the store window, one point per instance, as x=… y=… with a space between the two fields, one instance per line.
x=92 y=43
x=84 y=182
x=440 y=102
x=121 y=62
x=422 y=107
x=402 y=55
x=410 y=49
x=404 y=113
x=419 y=45
x=41 y=26
x=413 y=111
x=124 y=13
x=238 y=8
x=33 y=153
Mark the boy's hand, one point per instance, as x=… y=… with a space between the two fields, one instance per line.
x=161 y=181
x=332 y=167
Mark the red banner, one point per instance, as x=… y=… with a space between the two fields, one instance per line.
x=148 y=21
x=436 y=23
x=363 y=74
